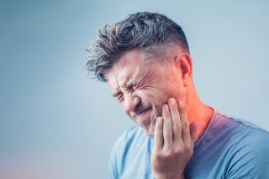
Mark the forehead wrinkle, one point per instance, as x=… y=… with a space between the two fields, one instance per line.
x=134 y=76
x=118 y=76
x=123 y=77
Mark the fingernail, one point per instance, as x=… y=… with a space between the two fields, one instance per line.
x=171 y=100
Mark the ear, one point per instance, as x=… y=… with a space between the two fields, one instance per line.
x=184 y=62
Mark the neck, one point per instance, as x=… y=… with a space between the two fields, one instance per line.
x=199 y=114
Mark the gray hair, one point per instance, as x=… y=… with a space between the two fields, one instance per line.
x=140 y=30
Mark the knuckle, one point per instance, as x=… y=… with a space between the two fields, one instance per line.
x=180 y=150
x=189 y=146
x=169 y=154
x=184 y=124
x=183 y=149
x=160 y=155
x=179 y=125
x=189 y=149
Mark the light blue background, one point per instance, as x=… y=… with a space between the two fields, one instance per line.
x=55 y=122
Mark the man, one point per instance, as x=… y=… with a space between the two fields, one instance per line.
x=146 y=60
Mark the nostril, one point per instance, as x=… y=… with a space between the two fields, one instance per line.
x=137 y=104
x=138 y=108
x=132 y=103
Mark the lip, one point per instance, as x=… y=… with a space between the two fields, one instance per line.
x=143 y=113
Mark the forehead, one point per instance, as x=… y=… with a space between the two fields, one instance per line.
x=131 y=66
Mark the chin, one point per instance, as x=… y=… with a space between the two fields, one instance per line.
x=149 y=126
x=149 y=130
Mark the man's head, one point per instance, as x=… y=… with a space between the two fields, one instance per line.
x=145 y=58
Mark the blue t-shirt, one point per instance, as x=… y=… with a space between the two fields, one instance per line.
x=229 y=148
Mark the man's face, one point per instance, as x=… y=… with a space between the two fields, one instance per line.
x=142 y=84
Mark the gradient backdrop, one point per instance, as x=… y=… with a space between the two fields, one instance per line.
x=56 y=122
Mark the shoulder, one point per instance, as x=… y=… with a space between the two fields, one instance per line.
x=118 y=149
x=236 y=128
x=125 y=150
x=249 y=149
x=129 y=136
x=131 y=140
x=246 y=131
x=241 y=133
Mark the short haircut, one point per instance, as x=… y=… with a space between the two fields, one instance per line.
x=141 y=30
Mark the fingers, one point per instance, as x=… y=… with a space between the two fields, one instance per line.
x=173 y=126
x=184 y=121
x=176 y=121
x=171 y=152
x=172 y=141
x=193 y=132
x=158 y=133
x=167 y=127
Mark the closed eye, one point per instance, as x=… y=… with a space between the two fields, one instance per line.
x=118 y=96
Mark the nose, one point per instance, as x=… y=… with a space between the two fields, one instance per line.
x=130 y=102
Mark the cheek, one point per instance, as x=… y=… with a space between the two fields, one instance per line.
x=160 y=97
x=155 y=98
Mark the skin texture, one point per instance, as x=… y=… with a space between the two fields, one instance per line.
x=140 y=82
x=158 y=94
x=173 y=142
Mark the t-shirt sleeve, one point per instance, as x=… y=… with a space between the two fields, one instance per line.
x=250 y=158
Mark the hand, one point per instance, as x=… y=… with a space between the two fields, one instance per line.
x=173 y=143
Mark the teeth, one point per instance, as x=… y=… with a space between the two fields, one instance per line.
x=143 y=111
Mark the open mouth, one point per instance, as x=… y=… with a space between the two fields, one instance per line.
x=142 y=113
